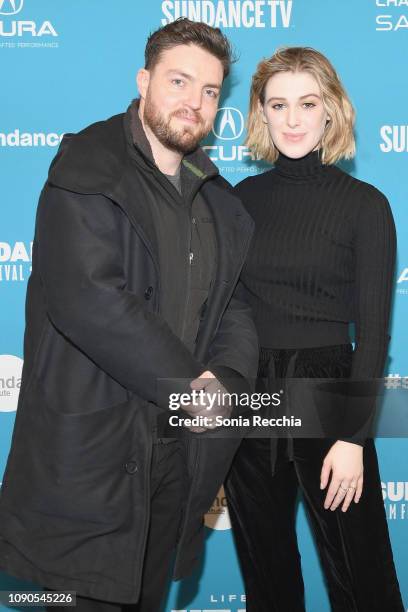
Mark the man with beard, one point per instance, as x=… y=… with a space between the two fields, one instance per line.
x=133 y=295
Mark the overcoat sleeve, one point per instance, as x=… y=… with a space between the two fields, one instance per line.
x=81 y=267
x=234 y=351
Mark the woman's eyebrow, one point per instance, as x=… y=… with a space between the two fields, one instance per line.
x=301 y=97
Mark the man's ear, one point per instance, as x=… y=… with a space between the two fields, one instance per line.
x=142 y=80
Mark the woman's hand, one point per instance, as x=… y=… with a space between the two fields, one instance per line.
x=345 y=461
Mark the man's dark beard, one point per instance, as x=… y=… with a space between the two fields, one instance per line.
x=182 y=141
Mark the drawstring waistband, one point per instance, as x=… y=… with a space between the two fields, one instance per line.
x=282 y=364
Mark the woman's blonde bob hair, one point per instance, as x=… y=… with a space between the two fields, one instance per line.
x=338 y=138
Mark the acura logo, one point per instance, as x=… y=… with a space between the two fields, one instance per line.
x=229 y=123
x=10 y=7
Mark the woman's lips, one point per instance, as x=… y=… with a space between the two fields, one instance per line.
x=293 y=137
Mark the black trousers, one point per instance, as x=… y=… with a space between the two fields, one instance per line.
x=167 y=491
x=354 y=546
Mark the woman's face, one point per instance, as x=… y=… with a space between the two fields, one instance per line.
x=294 y=113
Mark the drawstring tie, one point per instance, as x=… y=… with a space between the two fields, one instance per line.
x=271 y=374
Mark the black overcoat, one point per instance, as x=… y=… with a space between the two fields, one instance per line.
x=74 y=505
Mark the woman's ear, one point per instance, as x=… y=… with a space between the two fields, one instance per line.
x=261 y=112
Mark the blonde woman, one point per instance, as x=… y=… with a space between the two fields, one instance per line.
x=322 y=257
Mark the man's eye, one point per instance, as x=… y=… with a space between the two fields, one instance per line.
x=178 y=82
x=211 y=93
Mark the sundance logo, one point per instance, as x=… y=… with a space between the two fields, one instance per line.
x=394 y=138
x=218 y=517
x=15 y=261
x=395 y=496
x=395 y=491
x=16 y=252
x=29 y=139
x=10 y=381
x=11 y=28
x=231 y=13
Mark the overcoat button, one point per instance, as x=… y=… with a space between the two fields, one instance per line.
x=148 y=293
x=131 y=467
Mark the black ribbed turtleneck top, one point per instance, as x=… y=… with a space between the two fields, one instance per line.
x=322 y=257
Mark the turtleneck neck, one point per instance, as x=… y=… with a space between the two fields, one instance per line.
x=301 y=169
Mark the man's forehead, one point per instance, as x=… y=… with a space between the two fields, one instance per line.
x=190 y=59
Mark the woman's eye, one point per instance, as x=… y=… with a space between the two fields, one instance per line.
x=309 y=104
x=278 y=106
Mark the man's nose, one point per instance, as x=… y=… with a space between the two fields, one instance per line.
x=194 y=98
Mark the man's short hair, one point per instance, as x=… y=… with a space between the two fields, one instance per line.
x=182 y=31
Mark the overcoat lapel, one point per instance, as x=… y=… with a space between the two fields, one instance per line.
x=233 y=228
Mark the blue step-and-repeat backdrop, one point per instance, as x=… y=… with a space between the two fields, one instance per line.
x=67 y=63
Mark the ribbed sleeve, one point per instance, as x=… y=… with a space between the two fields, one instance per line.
x=375 y=247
